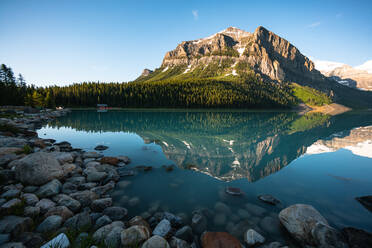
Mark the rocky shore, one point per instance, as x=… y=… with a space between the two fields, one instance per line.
x=54 y=195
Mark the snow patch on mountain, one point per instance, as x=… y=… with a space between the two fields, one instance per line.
x=327 y=66
x=367 y=66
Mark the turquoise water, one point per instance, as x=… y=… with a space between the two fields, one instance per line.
x=314 y=159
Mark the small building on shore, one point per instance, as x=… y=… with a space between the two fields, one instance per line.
x=102 y=106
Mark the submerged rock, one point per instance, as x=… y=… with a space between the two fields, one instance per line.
x=253 y=238
x=269 y=199
x=101 y=148
x=115 y=213
x=234 y=191
x=219 y=240
x=163 y=228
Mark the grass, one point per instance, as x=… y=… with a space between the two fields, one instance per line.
x=310 y=96
x=25 y=150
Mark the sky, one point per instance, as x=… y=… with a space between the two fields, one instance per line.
x=62 y=42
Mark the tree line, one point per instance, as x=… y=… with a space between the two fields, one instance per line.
x=176 y=93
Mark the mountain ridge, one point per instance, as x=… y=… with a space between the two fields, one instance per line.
x=234 y=53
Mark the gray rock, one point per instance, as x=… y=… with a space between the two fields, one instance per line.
x=85 y=197
x=79 y=221
x=4 y=238
x=5 y=159
x=270 y=225
x=38 y=168
x=30 y=199
x=124 y=159
x=269 y=199
x=101 y=148
x=173 y=219
x=101 y=204
x=134 y=235
x=254 y=209
x=91 y=155
x=10 y=206
x=113 y=238
x=252 y=238
x=13 y=245
x=80 y=239
x=7 y=176
x=300 y=220
x=30 y=189
x=12 y=142
x=115 y=213
x=102 y=221
x=76 y=180
x=12 y=193
x=155 y=242
x=31 y=211
x=65 y=200
x=93 y=175
x=102 y=232
x=222 y=208
x=31 y=239
x=163 y=228
x=50 y=224
x=63 y=157
x=49 y=189
x=61 y=241
x=326 y=236
x=101 y=190
x=185 y=233
x=62 y=211
x=44 y=205
x=178 y=243
x=69 y=188
x=199 y=223
x=219 y=219
x=2 y=201
x=134 y=201
x=243 y=214
x=87 y=186
x=94 y=216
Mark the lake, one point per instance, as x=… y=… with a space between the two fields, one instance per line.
x=313 y=159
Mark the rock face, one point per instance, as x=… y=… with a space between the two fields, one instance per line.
x=263 y=50
x=38 y=168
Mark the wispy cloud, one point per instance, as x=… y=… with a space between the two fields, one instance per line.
x=313 y=25
x=195 y=13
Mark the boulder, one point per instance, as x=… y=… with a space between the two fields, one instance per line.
x=134 y=235
x=50 y=224
x=44 y=205
x=138 y=220
x=61 y=241
x=38 y=168
x=156 y=242
x=102 y=221
x=15 y=224
x=252 y=238
x=124 y=159
x=91 y=155
x=101 y=204
x=254 y=209
x=109 y=160
x=326 y=236
x=13 y=245
x=163 y=228
x=30 y=199
x=178 y=243
x=65 y=200
x=219 y=219
x=173 y=219
x=5 y=159
x=49 y=189
x=234 y=191
x=185 y=233
x=101 y=148
x=85 y=197
x=357 y=238
x=113 y=238
x=79 y=221
x=69 y=188
x=219 y=240
x=115 y=213
x=199 y=223
x=93 y=175
x=366 y=201
x=31 y=211
x=101 y=190
x=31 y=239
x=11 y=193
x=62 y=211
x=269 y=199
x=102 y=232
x=63 y=157
x=300 y=220
x=12 y=206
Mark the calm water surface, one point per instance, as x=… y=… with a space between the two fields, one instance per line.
x=314 y=159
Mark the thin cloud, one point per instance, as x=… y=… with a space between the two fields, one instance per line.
x=313 y=25
x=195 y=14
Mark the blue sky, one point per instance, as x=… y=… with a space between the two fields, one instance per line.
x=60 y=42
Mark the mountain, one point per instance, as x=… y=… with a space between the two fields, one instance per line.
x=234 y=55
x=356 y=77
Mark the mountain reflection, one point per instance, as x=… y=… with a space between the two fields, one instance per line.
x=233 y=145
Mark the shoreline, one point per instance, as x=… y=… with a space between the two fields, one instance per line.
x=75 y=196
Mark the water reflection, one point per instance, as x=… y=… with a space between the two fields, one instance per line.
x=233 y=145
